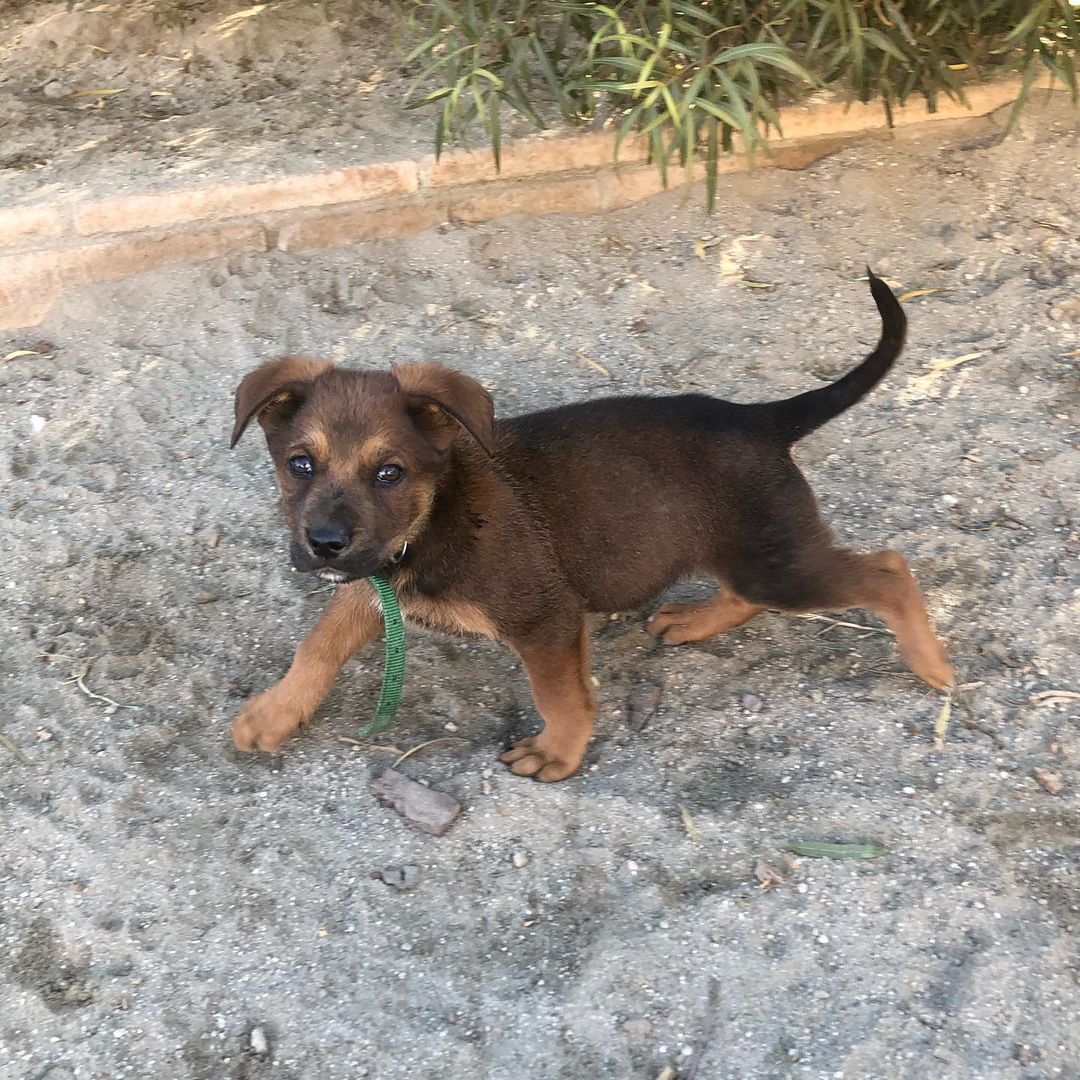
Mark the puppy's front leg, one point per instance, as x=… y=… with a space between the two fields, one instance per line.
x=351 y=620
x=559 y=674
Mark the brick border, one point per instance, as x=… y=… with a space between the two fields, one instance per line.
x=48 y=248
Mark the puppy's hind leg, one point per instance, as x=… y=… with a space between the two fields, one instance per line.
x=833 y=579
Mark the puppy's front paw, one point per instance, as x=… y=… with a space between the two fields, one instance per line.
x=543 y=759
x=266 y=721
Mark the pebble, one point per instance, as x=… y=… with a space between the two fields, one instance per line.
x=644 y=701
x=56 y=89
x=1024 y=1054
x=751 y=703
x=400 y=877
x=260 y=1046
x=1050 y=782
x=823 y=939
x=450 y=726
x=519 y=859
x=485 y=787
x=429 y=811
x=637 y=1029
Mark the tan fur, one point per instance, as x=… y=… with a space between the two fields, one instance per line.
x=350 y=621
x=450 y=616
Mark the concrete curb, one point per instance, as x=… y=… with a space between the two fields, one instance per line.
x=51 y=247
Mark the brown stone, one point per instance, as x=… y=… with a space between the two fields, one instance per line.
x=423 y=808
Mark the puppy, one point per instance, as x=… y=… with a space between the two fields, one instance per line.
x=515 y=529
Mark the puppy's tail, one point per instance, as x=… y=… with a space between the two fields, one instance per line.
x=798 y=416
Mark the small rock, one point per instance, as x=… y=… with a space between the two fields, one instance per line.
x=751 y=703
x=401 y=878
x=768 y=875
x=485 y=787
x=211 y=537
x=996 y=651
x=205 y=596
x=639 y=326
x=823 y=939
x=637 y=1029
x=37 y=424
x=429 y=811
x=1025 y=1054
x=1050 y=782
x=519 y=859
x=56 y=89
x=1062 y=521
x=643 y=703
x=260 y=1045
x=450 y=726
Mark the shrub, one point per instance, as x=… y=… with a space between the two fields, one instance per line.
x=690 y=74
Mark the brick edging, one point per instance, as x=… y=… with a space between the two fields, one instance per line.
x=47 y=248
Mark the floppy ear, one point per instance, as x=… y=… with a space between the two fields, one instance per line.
x=441 y=399
x=273 y=392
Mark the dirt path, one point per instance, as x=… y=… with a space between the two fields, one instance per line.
x=116 y=97
x=163 y=896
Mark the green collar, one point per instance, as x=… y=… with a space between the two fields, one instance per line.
x=394 y=667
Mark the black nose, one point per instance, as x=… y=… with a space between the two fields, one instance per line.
x=328 y=540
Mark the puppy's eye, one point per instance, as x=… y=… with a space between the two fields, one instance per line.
x=390 y=474
x=301 y=466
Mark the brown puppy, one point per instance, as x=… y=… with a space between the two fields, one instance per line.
x=514 y=529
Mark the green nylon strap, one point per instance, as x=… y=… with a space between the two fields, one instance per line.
x=394 y=668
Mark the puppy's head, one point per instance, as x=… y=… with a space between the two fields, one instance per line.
x=359 y=455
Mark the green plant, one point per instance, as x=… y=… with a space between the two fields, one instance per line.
x=688 y=75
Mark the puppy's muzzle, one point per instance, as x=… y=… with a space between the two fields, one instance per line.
x=328 y=540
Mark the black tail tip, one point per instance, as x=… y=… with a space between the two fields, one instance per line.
x=881 y=292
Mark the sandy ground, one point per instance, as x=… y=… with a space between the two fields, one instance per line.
x=123 y=96
x=162 y=896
